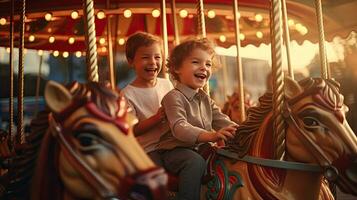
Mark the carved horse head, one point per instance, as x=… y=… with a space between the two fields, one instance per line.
x=318 y=140
x=90 y=152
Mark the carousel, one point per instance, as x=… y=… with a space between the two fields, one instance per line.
x=295 y=143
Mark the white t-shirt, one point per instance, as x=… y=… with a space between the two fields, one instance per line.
x=145 y=102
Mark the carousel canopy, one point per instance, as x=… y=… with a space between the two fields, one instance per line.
x=59 y=25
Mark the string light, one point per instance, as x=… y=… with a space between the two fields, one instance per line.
x=65 y=54
x=71 y=40
x=127 y=13
x=102 y=41
x=8 y=49
x=259 y=34
x=303 y=30
x=31 y=38
x=48 y=16
x=74 y=14
x=121 y=41
x=241 y=36
x=211 y=14
x=55 y=53
x=51 y=39
x=104 y=49
x=40 y=52
x=2 y=21
x=100 y=14
x=183 y=13
x=222 y=38
x=291 y=22
x=78 y=54
x=155 y=13
x=258 y=18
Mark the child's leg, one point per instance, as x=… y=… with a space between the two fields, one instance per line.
x=156 y=158
x=190 y=166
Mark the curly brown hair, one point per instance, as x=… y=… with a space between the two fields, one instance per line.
x=183 y=50
x=137 y=40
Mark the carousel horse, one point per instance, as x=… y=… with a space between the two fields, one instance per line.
x=89 y=150
x=319 y=145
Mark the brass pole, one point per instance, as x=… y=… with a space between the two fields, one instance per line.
x=38 y=81
x=202 y=30
x=110 y=50
x=287 y=38
x=239 y=62
x=174 y=17
x=201 y=19
x=323 y=56
x=164 y=38
x=11 y=59
x=278 y=79
x=91 y=55
x=20 y=98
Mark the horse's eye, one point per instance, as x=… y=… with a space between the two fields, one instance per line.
x=309 y=121
x=87 y=139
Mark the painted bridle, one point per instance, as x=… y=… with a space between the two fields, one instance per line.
x=143 y=185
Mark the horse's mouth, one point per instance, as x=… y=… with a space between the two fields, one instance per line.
x=151 y=183
x=347 y=179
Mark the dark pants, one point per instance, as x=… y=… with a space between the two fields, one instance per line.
x=190 y=167
x=156 y=158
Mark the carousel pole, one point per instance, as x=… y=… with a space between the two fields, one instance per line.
x=110 y=51
x=20 y=98
x=239 y=62
x=287 y=38
x=38 y=81
x=325 y=70
x=164 y=38
x=202 y=30
x=201 y=19
x=91 y=54
x=174 y=17
x=278 y=78
x=11 y=59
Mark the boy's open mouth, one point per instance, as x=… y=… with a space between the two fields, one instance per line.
x=152 y=69
x=200 y=76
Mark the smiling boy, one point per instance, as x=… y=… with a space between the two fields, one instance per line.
x=193 y=116
x=144 y=94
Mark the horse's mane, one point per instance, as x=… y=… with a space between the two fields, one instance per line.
x=103 y=97
x=46 y=183
x=245 y=132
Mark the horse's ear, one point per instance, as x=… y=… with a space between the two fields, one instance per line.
x=291 y=87
x=57 y=96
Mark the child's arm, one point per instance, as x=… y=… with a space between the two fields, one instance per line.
x=145 y=125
